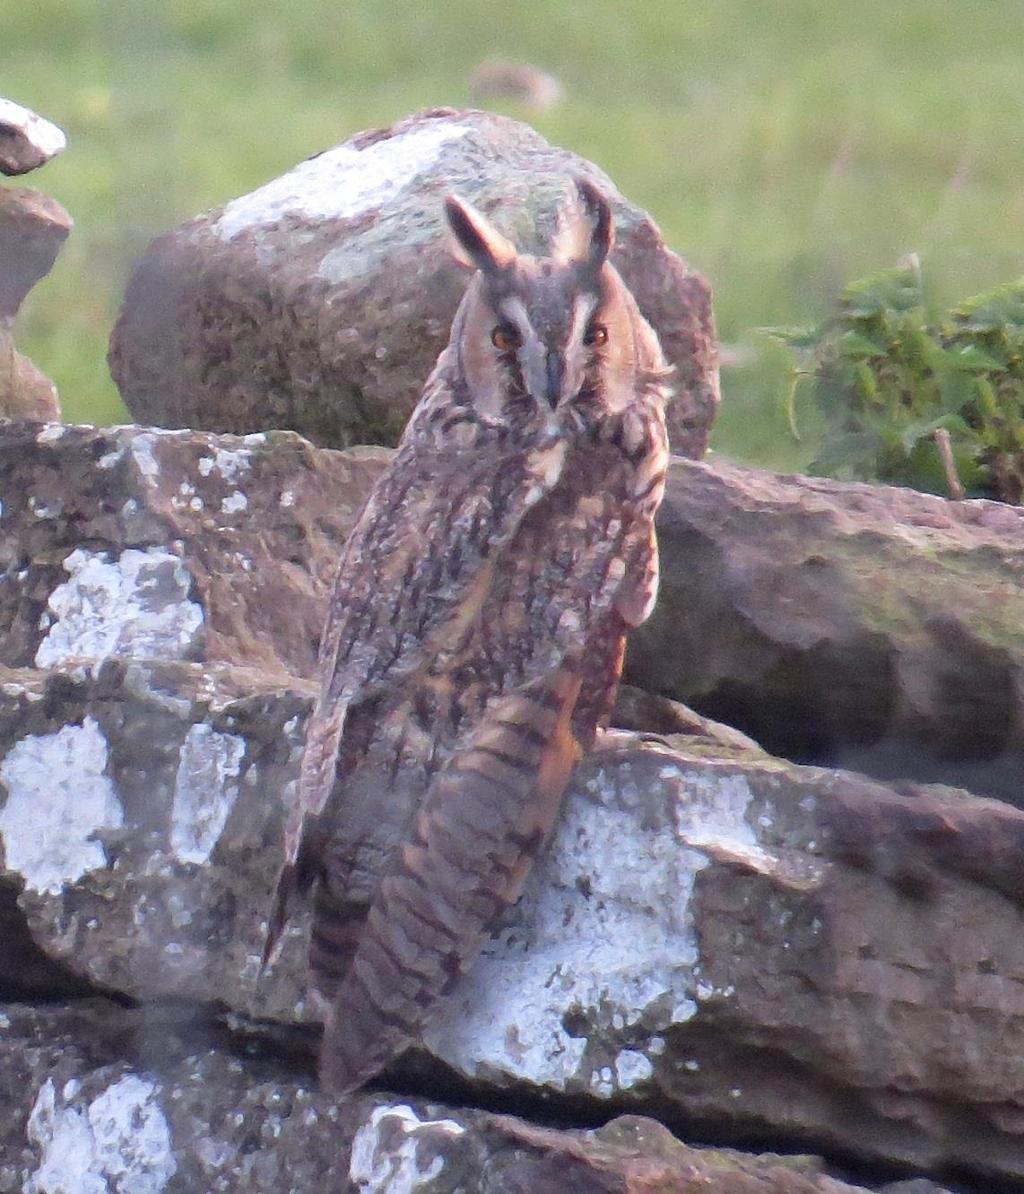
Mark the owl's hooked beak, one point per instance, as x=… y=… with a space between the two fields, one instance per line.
x=544 y=374
x=547 y=389
x=554 y=377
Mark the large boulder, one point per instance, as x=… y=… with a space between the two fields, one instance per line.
x=170 y=545
x=760 y=950
x=320 y=301
x=855 y=625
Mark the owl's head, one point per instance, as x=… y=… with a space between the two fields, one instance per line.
x=552 y=340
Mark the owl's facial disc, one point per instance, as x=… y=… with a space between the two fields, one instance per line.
x=548 y=334
x=554 y=322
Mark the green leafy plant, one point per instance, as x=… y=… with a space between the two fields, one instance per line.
x=939 y=407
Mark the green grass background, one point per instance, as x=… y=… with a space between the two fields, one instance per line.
x=783 y=147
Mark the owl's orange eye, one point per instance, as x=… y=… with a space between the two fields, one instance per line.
x=596 y=335
x=505 y=338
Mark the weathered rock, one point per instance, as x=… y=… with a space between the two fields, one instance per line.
x=759 y=949
x=26 y=393
x=159 y=544
x=855 y=625
x=321 y=301
x=27 y=141
x=658 y=717
x=914 y=1185
x=99 y=1098
x=32 y=229
x=150 y=795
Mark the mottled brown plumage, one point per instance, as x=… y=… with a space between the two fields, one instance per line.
x=475 y=634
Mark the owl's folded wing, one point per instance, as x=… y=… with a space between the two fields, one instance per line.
x=399 y=605
x=481 y=826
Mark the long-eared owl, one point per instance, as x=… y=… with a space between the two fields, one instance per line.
x=475 y=634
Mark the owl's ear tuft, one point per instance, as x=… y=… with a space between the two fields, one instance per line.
x=477 y=243
x=602 y=234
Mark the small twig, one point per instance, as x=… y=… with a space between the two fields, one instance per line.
x=941 y=437
x=789 y=406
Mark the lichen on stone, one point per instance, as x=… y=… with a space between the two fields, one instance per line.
x=137 y=604
x=58 y=797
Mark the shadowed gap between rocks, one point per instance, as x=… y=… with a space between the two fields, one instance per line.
x=31 y=976
x=810 y=721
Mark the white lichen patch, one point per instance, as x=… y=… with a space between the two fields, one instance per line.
x=144 y=456
x=135 y=605
x=631 y=1067
x=604 y=936
x=713 y=812
x=41 y=509
x=234 y=502
x=119 y=1140
x=205 y=788
x=58 y=798
x=343 y=182
x=230 y=464
x=52 y=432
x=384 y=1158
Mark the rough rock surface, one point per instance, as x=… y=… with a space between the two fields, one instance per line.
x=320 y=301
x=861 y=626
x=27 y=141
x=151 y=795
x=25 y=391
x=97 y=1098
x=759 y=950
x=869 y=627
x=167 y=545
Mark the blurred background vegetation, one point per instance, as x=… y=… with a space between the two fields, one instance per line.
x=785 y=146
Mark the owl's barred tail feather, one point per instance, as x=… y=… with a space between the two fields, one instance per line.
x=481 y=826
